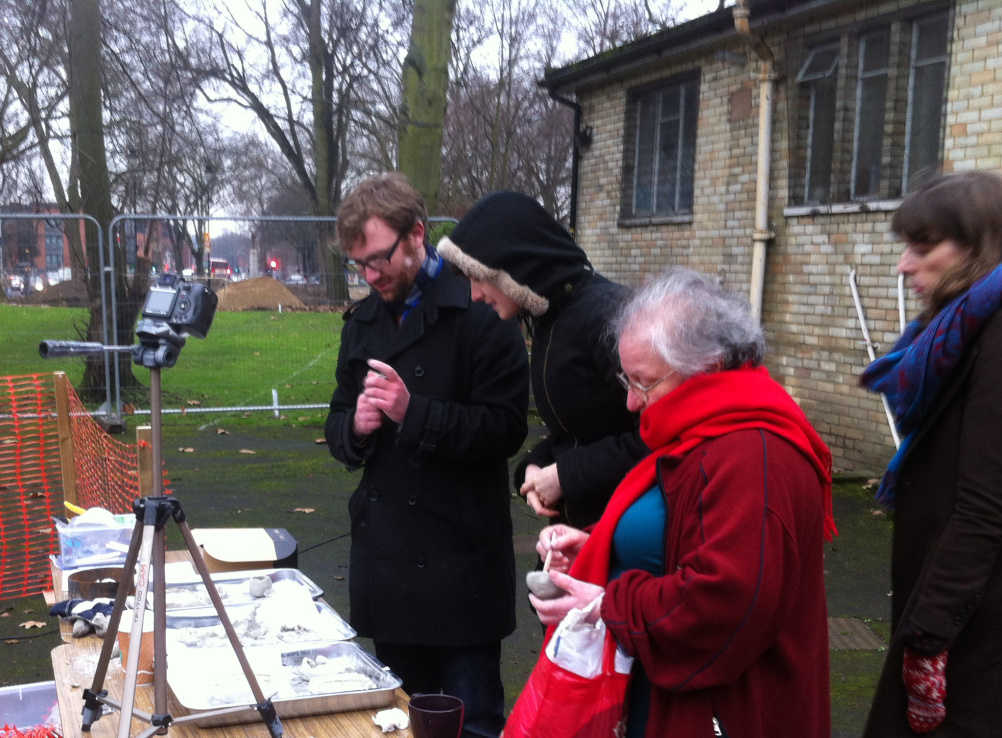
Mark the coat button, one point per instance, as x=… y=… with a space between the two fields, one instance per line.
x=420 y=563
x=412 y=500
x=373 y=495
x=419 y=371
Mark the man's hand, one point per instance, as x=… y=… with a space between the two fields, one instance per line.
x=542 y=490
x=367 y=418
x=386 y=391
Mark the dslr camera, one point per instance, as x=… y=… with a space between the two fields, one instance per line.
x=173 y=310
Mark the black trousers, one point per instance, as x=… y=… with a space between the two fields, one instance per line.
x=471 y=673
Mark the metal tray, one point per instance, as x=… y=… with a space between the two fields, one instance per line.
x=183 y=627
x=233 y=587
x=195 y=682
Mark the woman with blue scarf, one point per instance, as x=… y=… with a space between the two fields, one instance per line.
x=943 y=673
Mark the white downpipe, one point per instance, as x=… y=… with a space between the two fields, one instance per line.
x=870 y=351
x=761 y=234
x=902 y=318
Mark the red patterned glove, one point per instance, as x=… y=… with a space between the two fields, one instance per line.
x=925 y=681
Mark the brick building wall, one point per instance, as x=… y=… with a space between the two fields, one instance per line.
x=815 y=342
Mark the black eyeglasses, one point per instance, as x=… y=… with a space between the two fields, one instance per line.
x=377 y=263
x=629 y=384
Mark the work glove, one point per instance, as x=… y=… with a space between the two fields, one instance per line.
x=87 y=616
x=925 y=682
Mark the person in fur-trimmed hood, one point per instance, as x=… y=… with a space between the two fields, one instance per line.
x=522 y=262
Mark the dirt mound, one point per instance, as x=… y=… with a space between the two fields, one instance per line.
x=71 y=293
x=260 y=293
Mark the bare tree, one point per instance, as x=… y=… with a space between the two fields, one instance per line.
x=307 y=77
x=600 y=25
x=502 y=131
x=426 y=85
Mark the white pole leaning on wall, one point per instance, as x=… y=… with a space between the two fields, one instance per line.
x=869 y=350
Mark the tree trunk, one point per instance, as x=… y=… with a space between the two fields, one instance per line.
x=426 y=86
x=88 y=152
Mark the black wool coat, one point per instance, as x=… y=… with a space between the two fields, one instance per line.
x=591 y=435
x=432 y=561
x=946 y=568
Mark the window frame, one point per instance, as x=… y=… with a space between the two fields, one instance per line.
x=687 y=87
x=852 y=141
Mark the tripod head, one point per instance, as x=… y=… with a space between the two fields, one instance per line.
x=173 y=310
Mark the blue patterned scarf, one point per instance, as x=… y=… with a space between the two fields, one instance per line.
x=915 y=370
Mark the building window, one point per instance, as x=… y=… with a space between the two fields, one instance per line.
x=868 y=110
x=660 y=150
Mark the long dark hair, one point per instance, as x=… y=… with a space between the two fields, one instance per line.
x=965 y=207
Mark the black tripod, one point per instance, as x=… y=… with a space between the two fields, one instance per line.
x=158 y=346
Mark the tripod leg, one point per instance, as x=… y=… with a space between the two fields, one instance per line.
x=160 y=716
x=264 y=706
x=92 y=697
x=136 y=636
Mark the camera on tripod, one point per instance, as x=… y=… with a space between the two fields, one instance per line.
x=173 y=309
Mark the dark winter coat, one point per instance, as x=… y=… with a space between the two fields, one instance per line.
x=590 y=434
x=431 y=552
x=509 y=240
x=946 y=571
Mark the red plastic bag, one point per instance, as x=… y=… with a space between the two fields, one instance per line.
x=557 y=703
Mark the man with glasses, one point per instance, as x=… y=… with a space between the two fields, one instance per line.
x=431 y=400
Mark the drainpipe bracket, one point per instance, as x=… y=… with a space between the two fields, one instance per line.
x=760 y=235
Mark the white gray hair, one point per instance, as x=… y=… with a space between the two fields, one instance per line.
x=693 y=323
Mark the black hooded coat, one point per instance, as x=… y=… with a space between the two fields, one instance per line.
x=509 y=240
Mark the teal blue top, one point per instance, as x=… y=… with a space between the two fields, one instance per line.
x=638 y=543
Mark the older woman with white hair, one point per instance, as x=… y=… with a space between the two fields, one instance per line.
x=709 y=554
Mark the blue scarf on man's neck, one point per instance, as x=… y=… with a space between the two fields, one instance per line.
x=915 y=370
x=423 y=280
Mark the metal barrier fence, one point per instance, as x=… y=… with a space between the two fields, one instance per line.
x=273 y=344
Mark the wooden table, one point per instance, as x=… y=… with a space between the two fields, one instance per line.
x=75 y=662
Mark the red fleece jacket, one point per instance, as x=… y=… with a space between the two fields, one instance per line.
x=736 y=628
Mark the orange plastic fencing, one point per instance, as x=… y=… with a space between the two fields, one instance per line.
x=31 y=482
x=107 y=471
x=31 y=487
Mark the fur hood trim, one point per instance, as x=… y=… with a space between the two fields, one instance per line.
x=524 y=297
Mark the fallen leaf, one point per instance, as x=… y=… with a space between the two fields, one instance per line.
x=876 y=512
x=302 y=420
x=246 y=415
x=188 y=450
x=274 y=317
x=340 y=579
x=128 y=408
x=288 y=386
x=318 y=441
x=247 y=451
x=11 y=642
x=32 y=624
x=305 y=509
x=194 y=402
x=257 y=353
x=221 y=432
x=28 y=611
x=283 y=417
x=4 y=614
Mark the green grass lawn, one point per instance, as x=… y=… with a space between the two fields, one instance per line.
x=245 y=356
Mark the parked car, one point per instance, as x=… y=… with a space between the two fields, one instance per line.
x=296 y=279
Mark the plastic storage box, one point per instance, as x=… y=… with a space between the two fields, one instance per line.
x=29 y=705
x=94 y=544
